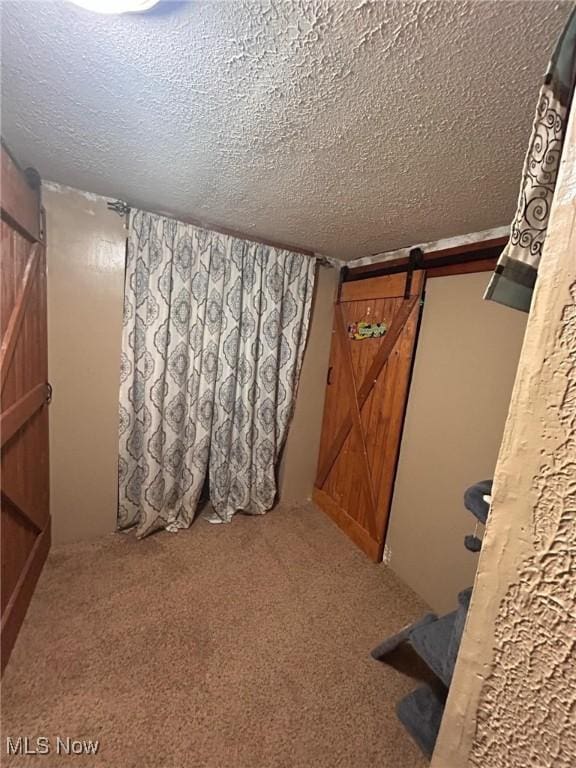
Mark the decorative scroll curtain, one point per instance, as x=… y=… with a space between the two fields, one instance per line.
x=213 y=339
x=515 y=275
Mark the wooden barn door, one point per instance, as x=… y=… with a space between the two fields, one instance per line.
x=25 y=394
x=365 y=402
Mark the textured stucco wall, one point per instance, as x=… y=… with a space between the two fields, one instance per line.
x=348 y=127
x=86 y=249
x=513 y=699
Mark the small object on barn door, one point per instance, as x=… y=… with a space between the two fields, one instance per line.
x=364 y=330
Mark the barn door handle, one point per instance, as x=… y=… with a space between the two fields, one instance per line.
x=329 y=377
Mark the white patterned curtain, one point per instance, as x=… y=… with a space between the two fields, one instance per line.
x=213 y=339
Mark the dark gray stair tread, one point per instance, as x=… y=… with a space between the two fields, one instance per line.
x=421 y=714
x=461 y=613
x=464 y=598
x=391 y=643
x=472 y=543
x=474 y=502
x=432 y=642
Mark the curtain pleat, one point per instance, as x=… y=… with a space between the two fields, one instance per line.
x=213 y=339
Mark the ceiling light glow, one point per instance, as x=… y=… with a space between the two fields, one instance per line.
x=116 y=6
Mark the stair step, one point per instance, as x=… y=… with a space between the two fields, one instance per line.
x=393 y=641
x=456 y=639
x=474 y=502
x=432 y=643
x=464 y=598
x=421 y=714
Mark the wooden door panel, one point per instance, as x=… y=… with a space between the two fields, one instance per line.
x=20 y=202
x=364 y=406
x=346 y=484
x=26 y=490
x=374 y=288
x=334 y=385
x=22 y=538
x=25 y=514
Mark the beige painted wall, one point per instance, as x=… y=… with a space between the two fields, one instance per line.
x=85 y=290
x=464 y=370
x=85 y=258
x=513 y=695
x=300 y=456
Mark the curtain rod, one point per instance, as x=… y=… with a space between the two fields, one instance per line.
x=123 y=209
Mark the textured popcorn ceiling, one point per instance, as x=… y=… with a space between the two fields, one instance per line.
x=348 y=127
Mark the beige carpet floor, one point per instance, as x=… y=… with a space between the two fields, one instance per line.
x=239 y=646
